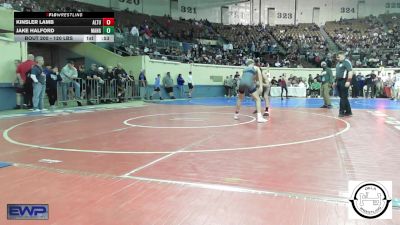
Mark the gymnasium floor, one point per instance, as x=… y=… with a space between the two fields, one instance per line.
x=188 y=162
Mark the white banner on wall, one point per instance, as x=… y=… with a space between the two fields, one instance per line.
x=239 y=13
x=131 y=5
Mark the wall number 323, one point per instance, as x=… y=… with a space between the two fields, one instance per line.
x=284 y=15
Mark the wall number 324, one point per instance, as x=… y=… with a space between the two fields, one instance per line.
x=347 y=10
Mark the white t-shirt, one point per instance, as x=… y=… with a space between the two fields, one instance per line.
x=135 y=31
x=397 y=80
x=190 y=79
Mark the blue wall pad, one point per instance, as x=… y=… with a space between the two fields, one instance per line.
x=396 y=203
x=4 y=164
x=8 y=97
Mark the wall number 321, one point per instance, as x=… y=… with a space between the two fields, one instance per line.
x=185 y=9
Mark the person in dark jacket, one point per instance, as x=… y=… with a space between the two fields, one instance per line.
x=361 y=84
x=354 y=86
x=143 y=84
x=370 y=84
x=122 y=78
x=327 y=81
x=82 y=75
x=52 y=78
x=180 y=81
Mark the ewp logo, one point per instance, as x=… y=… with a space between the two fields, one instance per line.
x=28 y=212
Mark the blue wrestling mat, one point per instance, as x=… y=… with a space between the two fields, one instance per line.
x=4 y=164
x=276 y=102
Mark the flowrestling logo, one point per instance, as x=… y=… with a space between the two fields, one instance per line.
x=370 y=200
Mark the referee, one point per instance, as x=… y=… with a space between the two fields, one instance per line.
x=344 y=73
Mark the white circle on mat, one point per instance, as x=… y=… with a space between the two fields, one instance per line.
x=247 y=148
x=127 y=122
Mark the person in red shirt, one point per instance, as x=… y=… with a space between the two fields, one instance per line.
x=22 y=70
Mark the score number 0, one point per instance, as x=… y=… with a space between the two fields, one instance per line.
x=108 y=25
x=108 y=21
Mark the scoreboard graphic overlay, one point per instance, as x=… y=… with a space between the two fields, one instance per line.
x=64 y=27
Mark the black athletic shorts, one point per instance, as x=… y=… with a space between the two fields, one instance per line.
x=19 y=89
x=169 y=89
x=190 y=85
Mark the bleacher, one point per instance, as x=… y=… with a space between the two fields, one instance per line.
x=364 y=39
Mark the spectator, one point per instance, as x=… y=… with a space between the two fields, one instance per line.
x=315 y=88
x=122 y=77
x=82 y=76
x=227 y=87
x=101 y=75
x=131 y=75
x=396 y=87
x=354 y=86
x=111 y=84
x=109 y=75
x=39 y=84
x=378 y=86
x=143 y=85
x=372 y=84
x=81 y=72
x=135 y=31
x=100 y=83
x=368 y=83
x=327 y=81
x=68 y=74
x=169 y=85
x=157 y=85
x=52 y=79
x=232 y=84
x=23 y=71
x=7 y=5
x=19 y=87
x=91 y=84
x=180 y=81
x=235 y=85
x=301 y=83
x=274 y=82
x=310 y=80
x=361 y=84
x=283 y=85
